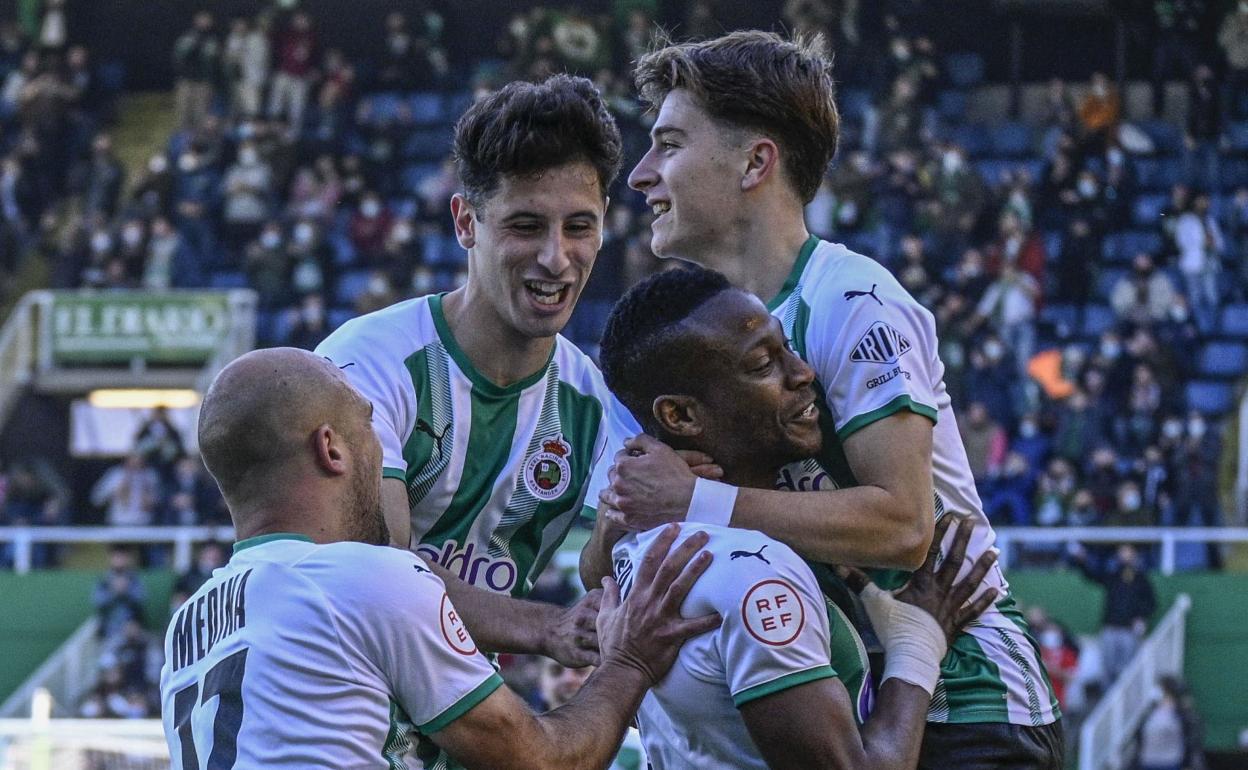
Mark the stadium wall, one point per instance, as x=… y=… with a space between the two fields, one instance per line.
x=1217 y=635
x=39 y=610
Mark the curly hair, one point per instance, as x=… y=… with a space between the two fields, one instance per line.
x=525 y=128
x=761 y=81
x=642 y=353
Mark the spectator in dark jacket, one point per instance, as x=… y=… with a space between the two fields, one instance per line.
x=1129 y=603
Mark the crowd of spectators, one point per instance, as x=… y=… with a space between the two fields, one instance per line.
x=1078 y=265
x=54 y=102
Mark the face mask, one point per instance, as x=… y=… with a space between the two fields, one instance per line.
x=306 y=277
x=994 y=351
x=1196 y=428
x=951 y=162
x=1051 y=638
x=303 y=233
x=1172 y=429
x=1178 y=314
x=312 y=314
x=101 y=242
x=271 y=239
x=1028 y=430
x=188 y=162
x=131 y=236
x=1131 y=501
x=1087 y=188
x=1099 y=90
x=1114 y=156
x=370 y=208
x=1110 y=350
x=157 y=164
x=248 y=157
x=378 y=285
x=402 y=232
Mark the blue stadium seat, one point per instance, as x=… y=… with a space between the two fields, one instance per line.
x=344 y=249
x=429 y=144
x=1123 y=246
x=1210 y=398
x=1146 y=211
x=1098 y=319
x=112 y=75
x=338 y=316
x=965 y=70
x=350 y=286
x=1107 y=278
x=1158 y=173
x=1062 y=317
x=1223 y=359
x=1234 y=322
x=972 y=137
x=415 y=174
x=1166 y=136
x=426 y=108
x=228 y=280
x=283 y=322
x=854 y=103
x=455 y=105
x=951 y=105
x=1012 y=139
x=588 y=321
x=994 y=170
x=1237 y=134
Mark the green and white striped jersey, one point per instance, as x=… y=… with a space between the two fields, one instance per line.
x=495 y=475
x=874 y=351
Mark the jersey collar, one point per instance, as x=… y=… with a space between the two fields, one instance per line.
x=262 y=539
x=795 y=275
x=457 y=354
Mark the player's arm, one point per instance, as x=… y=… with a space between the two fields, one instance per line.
x=595 y=563
x=641 y=637
x=886 y=521
x=812 y=725
x=397 y=512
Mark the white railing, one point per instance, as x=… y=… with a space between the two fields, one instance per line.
x=182 y=539
x=82 y=744
x=67 y=674
x=1168 y=537
x=1111 y=726
x=17 y=352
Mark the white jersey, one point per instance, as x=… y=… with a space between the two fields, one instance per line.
x=777 y=633
x=297 y=655
x=495 y=475
x=874 y=351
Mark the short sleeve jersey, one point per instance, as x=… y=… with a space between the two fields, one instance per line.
x=778 y=632
x=297 y=655
x=874 y=351
x=495 y=475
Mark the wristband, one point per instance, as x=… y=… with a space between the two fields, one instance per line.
x=712 y=502
x=914 y=643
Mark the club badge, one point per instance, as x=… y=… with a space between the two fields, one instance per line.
x=547 y=472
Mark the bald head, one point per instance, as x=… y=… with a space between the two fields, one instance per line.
x=276 y=421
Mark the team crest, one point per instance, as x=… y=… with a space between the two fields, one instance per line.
x=547 y=472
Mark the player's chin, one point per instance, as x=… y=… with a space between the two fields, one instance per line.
x=804 y=440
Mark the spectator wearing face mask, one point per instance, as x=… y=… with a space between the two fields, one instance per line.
x=311 y=327
x=1199 y=240
x=248 y=195
x=1129 y=603
x=369 y=227
x=1058 y=651
x=1197 y=455
x=1009 y=308
x=1143 y=296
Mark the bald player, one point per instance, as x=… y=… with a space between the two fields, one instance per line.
x=319 y=647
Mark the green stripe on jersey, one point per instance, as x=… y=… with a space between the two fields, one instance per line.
x=398 y=739
x=783 y=683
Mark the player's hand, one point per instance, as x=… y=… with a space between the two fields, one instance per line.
x=651 y=484
x=572 y=639
x=645 y=631
x=935 y=590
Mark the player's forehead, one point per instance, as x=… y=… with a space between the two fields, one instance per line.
x=733 y=321
x=558 y=192
x=682 y=113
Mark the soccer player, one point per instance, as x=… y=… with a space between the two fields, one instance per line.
x=489 y=420
x=746 y=127
x=783 y=682
x=317 y=646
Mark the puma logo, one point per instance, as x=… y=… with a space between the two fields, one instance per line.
x=427 y=429
x=853 y=294
x=756 y=554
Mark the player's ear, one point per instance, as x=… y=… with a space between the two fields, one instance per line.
x=463 y=215
x=762 y=160
x=330 y=450
x=678 y=415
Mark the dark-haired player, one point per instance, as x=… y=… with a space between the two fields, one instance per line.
x=746 y=127
x=489 y=420
x=783 y=682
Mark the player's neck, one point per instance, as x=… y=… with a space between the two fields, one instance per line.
x=494 y=349
x=760 y=253
x=748 y=474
